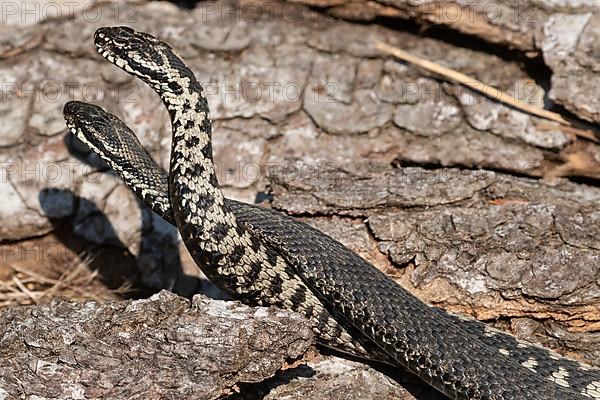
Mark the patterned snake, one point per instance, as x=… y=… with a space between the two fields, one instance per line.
x=263 y=257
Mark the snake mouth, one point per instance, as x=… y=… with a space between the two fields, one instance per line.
x=137 y=53
x=111 y=42
x=74 y=113
x=77 y=118
x=89 y=123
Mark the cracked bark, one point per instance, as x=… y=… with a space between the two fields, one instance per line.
x=500 y=248
x=563 y=33
x=120 y=349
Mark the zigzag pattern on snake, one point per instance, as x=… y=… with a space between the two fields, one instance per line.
x=264 y=257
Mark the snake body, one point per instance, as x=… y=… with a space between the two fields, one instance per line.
x=264 y=257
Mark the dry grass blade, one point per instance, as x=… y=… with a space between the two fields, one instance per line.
x=486 y=90
x=27 y=287
x=24 y=289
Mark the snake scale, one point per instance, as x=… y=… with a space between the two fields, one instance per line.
x=264 y=257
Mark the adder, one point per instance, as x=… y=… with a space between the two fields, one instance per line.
x=263 y=257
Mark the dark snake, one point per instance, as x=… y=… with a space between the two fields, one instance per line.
x=263 y=257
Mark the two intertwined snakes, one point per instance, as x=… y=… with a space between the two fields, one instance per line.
x=263 y=257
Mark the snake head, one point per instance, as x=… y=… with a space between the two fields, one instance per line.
x=93 y=126
x=144 y=56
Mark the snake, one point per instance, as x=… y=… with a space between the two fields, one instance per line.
x=263 y=257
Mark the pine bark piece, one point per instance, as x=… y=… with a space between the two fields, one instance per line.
x=161 y=347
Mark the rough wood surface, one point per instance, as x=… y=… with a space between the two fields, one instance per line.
x=162 y=347
x=565 y=33
x=501 y=248
x=169 y=347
